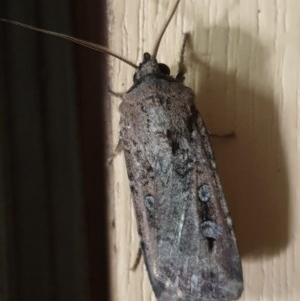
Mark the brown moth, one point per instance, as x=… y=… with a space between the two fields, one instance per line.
x=186 y=233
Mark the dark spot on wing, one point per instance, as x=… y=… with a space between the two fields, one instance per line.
x=158 y=287
x=149 y=202
x=211 y=231
x=130 y=176
x=175 y=147
x=204 y=192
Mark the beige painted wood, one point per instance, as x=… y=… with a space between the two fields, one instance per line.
x=246 y=75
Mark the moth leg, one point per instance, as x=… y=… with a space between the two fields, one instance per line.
x=181 y=65
x=137 y=259
x=116 y=94
x=225 y=135
x=118 y=149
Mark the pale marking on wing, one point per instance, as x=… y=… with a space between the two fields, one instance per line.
x=194 y=282
x=182 y=218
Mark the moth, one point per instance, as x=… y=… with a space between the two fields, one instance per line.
x=187 y=238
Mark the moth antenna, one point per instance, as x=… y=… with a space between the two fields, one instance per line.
x=157 y=44
x=81 y=42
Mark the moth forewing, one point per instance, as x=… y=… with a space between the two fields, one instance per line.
x=186 y=235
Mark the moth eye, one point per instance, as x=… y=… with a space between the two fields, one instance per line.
x=164 y=69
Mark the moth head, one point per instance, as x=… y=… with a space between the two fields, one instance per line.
x=150 y=66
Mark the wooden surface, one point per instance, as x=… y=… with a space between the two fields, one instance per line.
x=244 y=69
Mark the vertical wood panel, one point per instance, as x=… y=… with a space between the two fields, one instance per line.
x=246 y=78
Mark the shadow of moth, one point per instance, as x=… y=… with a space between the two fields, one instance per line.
x=186 y=233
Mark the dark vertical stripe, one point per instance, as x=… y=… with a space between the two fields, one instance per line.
x=47 y=244
x=92 y=88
